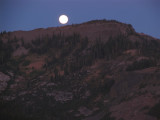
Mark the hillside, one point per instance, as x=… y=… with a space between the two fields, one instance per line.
x=98 y=70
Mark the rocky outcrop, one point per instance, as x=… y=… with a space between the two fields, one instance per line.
x=3 y=81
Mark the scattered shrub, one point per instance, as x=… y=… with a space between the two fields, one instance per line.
x=26 y=63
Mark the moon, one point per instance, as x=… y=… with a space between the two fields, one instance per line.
x=63 y=19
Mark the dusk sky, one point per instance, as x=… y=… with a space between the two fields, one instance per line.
x=144 y=15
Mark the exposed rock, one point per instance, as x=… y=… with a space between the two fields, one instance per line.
x=20 y=51
x=85 y=111
x=3 y=81
x=9 y=98
x=51 y=84
x=61 y=96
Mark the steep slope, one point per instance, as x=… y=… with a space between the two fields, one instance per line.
x=92 y=71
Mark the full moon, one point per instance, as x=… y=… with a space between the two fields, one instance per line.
x=63 y=19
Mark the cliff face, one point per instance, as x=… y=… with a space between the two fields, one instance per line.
x=97 y=70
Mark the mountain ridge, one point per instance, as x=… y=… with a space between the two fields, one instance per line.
x=92 y=71
x=100 y=25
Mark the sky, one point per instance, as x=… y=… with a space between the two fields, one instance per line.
x=144 y=15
